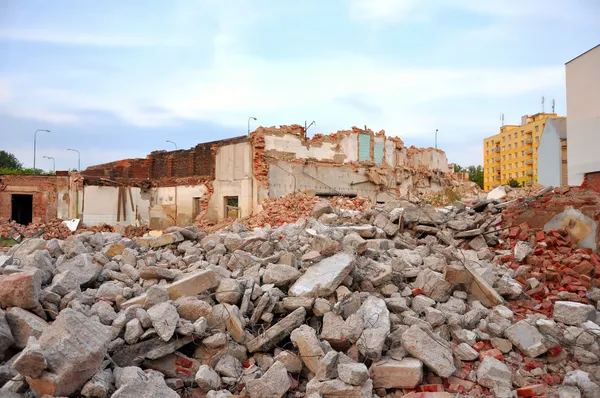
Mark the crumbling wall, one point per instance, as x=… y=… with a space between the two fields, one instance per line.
x=429 y=158
x=50 y=195
x=101 y=206
x=592 y=181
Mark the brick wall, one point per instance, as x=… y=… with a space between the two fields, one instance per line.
x=45 y=191
x=592 y=181
x=195 y=162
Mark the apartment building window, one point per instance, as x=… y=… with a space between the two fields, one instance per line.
x=509 y=147
x=522 y=164
x=522 y=153
x=503 y=148
x=516 y=134
x=503 y=139
x=537 y=129
x=509 y=175
x=487 y=153
x=509 y=156
x=522 y=133
x=523 y=143
x=487 y=144
x=503 y=157
x=522 y=174
x=504 y=176
x=516 y=144
x=504 y=167
x=537 y=140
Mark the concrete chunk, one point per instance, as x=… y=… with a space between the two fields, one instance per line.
x=436 y=356
x=191 y=285
x=376 y=321
x=493 y=373
x=433 y=285
x=337 y=388
x=355 y=374
x=305 y=338
x=21 y=289
x=389 y=373
x=276 y=333
x=159 y=241
x=6 y=337
x=275 y=383
x=527 y=339
x=573 y=313
x=23 y=325
x=324 y=277
x=164 y=319
x=74 y=347
x=31 y=361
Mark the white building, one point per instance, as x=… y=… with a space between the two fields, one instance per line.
x=583 y=115
x=552 y=153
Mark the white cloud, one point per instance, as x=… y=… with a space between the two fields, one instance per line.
x=43 y=115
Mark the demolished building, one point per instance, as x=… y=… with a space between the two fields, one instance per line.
x=231 y=178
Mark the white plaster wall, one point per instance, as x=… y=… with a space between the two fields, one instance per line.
x=349 y=146
x=549 y=159
x=583 y=115
x=62 y=208
x=234 y=178
x=390 y=153
x=290 y=143
x=100 y=206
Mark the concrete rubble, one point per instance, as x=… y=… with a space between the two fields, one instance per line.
x=398 y=300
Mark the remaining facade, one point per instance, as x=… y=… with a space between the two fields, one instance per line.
x=231 y=178
x=512 y=154
x=583 y=110
x=552 y=153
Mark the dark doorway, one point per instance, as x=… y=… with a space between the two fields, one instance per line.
x=22 y=208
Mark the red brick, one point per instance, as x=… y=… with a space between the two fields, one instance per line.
x=531 y=391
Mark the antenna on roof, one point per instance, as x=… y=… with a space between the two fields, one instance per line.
x=553 y=105
x=502 y=119
x=543 y=100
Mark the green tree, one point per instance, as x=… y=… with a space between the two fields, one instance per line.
x=9 y=161
x=514 y=183
x=475 y=173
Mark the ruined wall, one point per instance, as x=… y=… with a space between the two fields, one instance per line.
x=592 y=181
x=100 y=206
x=51 y=196
x=428 y=158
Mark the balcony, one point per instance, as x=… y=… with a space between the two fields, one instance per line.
x=529 y=172
x=530 y=132
x=528 y=140
x=497 y=177
x=529 y=161
x=528 y=183
x=529 y=151
x=496 y=159
x=497 y=149
x=496 y=168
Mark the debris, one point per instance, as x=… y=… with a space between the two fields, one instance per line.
x=572 y=313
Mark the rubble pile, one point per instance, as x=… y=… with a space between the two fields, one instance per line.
x=56 y=229
x=286 y=209
x=397 y=300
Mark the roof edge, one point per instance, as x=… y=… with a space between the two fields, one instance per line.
x=583 y=53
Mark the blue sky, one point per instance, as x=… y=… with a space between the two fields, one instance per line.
x=116 y=79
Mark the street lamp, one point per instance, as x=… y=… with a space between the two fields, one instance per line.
x=53 y=163
x=173 y=143
x=78 y=158
x=250 y=118
x=436 y=131
x=34 y=146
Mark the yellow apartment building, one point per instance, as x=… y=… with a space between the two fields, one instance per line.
x=512 y=153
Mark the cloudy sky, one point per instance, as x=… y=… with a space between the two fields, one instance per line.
x=116 y=79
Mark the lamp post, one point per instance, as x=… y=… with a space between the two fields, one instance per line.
x=78 y=158
x=34 y=146
x=250 y=118
x=313 y=123
x=53 y=163
x=436 y=131
x=173 y=143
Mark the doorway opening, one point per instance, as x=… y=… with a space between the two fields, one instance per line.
x=22 y=208
x=195 y=208
x=232 y=209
